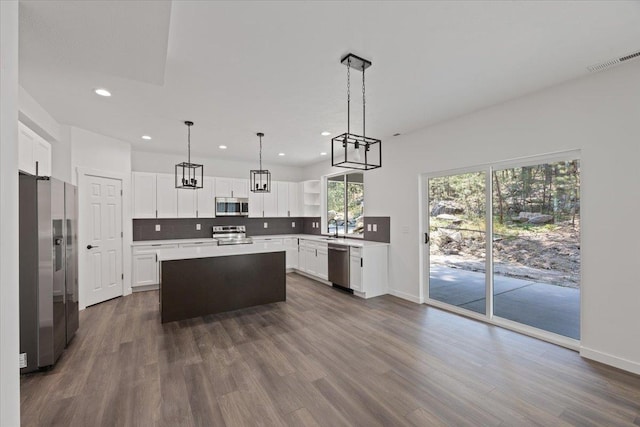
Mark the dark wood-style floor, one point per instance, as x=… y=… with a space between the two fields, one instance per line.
x=321 y=358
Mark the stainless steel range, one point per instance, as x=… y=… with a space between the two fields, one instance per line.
x=231 y=235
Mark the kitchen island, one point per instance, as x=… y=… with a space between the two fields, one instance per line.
x=207 y=280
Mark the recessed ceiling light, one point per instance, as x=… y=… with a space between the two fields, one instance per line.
x=325 y=133
x=323 y=154
x=222 y=147
x=280 y=154
x=146 y=137
x=102 y=92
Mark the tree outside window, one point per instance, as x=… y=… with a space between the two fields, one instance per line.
x=345 y=204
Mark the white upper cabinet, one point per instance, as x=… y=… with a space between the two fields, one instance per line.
x=256 y=205
x=271 y=202
x=32 y=149
x=232 y=187
x=166 y=196
x=240 y=187
x=187 y=203
x=294 y=199
x=282 y=194
x=155 y=196
x=206 y=198
x=144 y=195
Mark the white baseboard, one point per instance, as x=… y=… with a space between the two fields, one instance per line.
x=145 y=288
x=611 y=360
x=406 y=296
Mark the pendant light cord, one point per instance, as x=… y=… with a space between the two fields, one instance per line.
x=261 y=152
x=348 y=96
x=364 y=103
x=189 y=144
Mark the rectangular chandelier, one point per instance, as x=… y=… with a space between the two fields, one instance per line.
x=189 y=175
x=356 y=152
x=260 y=181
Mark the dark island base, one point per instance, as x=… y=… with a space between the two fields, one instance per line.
x=197 y=287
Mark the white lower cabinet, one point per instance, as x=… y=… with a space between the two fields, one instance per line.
x=314 y=259
x=291 y=245
x=355 y=269
x=145 y=264
x=322 y=259
x=369 y=271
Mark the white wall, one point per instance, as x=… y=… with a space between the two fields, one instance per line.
x=598 y=115
x=92 y=151
x=143 y=161
x=9 y=320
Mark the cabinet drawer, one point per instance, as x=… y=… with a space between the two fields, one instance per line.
x=357 y=252
x=145 y=249
x=197 y=244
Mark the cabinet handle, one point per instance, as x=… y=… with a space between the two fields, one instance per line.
x=361 y=262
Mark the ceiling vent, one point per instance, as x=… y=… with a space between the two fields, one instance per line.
x=612 y=62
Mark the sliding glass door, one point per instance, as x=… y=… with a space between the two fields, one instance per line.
x=536 y=246
x=528 y=271
x=457 y=229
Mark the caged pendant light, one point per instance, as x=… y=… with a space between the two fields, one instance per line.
x=189 y=175
x=350 y=150
x=260 y=179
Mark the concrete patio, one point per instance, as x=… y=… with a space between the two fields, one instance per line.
x=549 y=307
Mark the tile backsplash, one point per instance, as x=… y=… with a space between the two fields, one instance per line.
x=186 y=228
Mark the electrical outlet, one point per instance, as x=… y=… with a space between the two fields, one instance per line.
x=266 y=225
x=22 y=361
x=368 y=227
x=198 y=227
x=293 y=224
x=157 y=227
x=375 y=228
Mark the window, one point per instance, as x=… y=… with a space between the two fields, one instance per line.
x=345 y=204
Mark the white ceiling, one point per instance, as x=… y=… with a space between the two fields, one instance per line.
x=236 y=68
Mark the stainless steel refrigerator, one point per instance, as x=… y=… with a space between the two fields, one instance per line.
x=48 y=270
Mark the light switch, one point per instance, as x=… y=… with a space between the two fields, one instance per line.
x=405 y=229
x=266 y=225
x=293 y=224
x=368 y=227
x=198 y=227
x=375 y=227
x=157 y=227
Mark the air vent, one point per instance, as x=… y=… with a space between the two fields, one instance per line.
x=611 y=63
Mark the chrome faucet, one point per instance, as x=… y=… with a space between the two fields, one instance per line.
x=335 y=221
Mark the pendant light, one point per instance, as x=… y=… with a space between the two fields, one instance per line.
x=189 y=175
x=261 y=178
x=350 y=150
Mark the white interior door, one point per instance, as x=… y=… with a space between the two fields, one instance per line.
x=102 y=248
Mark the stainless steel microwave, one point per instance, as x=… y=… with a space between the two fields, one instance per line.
x=232 y=206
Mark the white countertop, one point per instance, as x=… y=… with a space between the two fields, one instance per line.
x=214 y=251
x=171 y=242
x=358 y=243
x=316 y=238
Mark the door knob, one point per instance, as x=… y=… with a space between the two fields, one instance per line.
x=91 y=247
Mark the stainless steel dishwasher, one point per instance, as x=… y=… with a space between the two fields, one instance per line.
x=339 y=265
